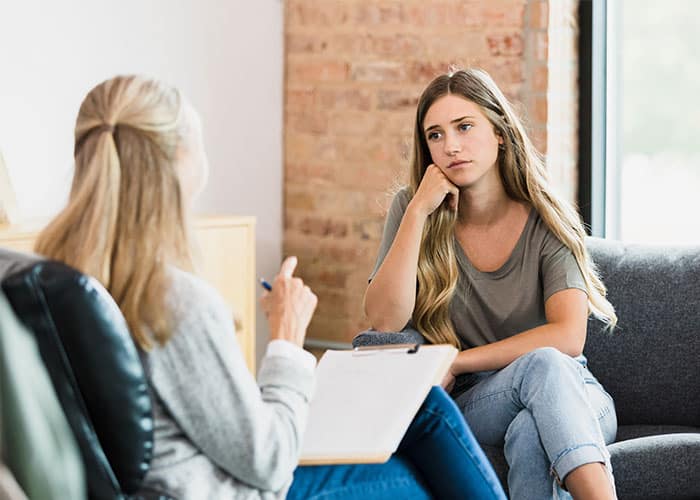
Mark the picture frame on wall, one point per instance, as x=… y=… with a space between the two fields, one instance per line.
x=8 y=201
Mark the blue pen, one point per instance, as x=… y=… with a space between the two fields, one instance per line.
x=265 y=284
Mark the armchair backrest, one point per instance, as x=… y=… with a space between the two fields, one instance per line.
x=650 y=363
x=85 y=344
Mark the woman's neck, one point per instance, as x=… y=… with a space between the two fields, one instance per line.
x=483 y=206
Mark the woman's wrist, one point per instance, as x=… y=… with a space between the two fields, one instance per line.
x=461 y=363
x=416 y=213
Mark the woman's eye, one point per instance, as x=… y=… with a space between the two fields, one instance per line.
x=433 y=136
x=465 y=126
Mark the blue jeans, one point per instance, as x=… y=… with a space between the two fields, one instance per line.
x=437 y=458
x=549 y=414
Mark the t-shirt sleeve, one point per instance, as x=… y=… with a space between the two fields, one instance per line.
x=559 y=268
x=391 y=226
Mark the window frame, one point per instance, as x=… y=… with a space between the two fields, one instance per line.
x=593 y=116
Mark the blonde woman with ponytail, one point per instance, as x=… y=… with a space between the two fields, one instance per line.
x=479 y=252
x=219 y=433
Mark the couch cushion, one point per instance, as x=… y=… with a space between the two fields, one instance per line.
x=657 y=467
x=649 y=363
x=625 y=432
x=95 y=368
x=647 y=468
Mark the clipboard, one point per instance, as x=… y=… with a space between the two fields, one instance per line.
x=366 y=398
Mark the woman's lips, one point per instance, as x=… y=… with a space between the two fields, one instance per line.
x=457 y=164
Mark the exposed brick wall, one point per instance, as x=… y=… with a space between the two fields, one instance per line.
x=562 y=97
x=354 y=72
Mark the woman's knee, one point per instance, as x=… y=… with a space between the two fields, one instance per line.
x=549 y=361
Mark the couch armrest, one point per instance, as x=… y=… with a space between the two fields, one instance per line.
x=373 y=337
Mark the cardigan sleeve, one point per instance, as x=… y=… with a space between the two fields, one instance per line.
x=252 y=430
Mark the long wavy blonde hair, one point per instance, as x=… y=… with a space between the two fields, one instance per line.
x=125 y=220
x=524 y=177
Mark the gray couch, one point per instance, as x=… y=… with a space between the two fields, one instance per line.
x=650 y=365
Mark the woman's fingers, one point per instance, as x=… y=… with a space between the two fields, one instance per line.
x=288 y=266
x=434 y=188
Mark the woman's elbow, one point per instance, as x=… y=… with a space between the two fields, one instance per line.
x=272 y=469
x=384 y=322
x=576 y=341
x=385 y=319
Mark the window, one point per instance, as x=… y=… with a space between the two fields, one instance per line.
x=644 y=144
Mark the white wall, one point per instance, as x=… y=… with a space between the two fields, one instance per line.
x=226 y=55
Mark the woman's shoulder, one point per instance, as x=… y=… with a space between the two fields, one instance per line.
x=400 y=199
x=189 y=295
x=544 y=239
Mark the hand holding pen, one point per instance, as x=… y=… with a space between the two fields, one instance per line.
x=288 y=304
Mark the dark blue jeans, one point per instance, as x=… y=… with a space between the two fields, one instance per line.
x=437 y=458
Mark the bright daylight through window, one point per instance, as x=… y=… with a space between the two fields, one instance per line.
x=653 y=121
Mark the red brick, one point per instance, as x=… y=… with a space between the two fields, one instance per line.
x=368 y=228
x=344 y=98
x=539 y=111
x=464 y=45
x=540 y=76
x=315 y=13
x=538 y=135
x=539 y=14
x=378 y=71
x=378 y=13
x=431 y=13
x=379 y=125
x=426 y=71
x=323 y=226
x=397 y=98
x=301 y=147
x=295 y=199
x=295 y=43
x=395 y=45
x=505 y=44
x=499 y=14
x=318 y=274
x=312 y=71
x=315 y=174
x=332 y=251
x=540 y=44
x=505 y=70
x=331 y=328
x=332 y=303
x=354 y=123
x=299 y=99
x=307 y=122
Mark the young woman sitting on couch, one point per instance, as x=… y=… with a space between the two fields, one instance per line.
x=478 y=251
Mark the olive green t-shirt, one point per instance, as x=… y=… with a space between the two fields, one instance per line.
x=491 y=306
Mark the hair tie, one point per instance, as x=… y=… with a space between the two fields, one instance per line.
x=105 y=127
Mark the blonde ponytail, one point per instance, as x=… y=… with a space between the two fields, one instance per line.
x=125 y=220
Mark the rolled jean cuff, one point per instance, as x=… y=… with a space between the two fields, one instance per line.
x=571 y=458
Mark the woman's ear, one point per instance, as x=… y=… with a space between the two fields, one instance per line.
x=501 y=141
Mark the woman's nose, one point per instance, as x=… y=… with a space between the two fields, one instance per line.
x=452 y=146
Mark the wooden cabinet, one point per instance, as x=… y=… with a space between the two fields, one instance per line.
x=226 y=247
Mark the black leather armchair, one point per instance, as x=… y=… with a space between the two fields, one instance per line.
x=95 y=368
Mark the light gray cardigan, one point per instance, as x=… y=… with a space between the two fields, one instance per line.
x=218 y=433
